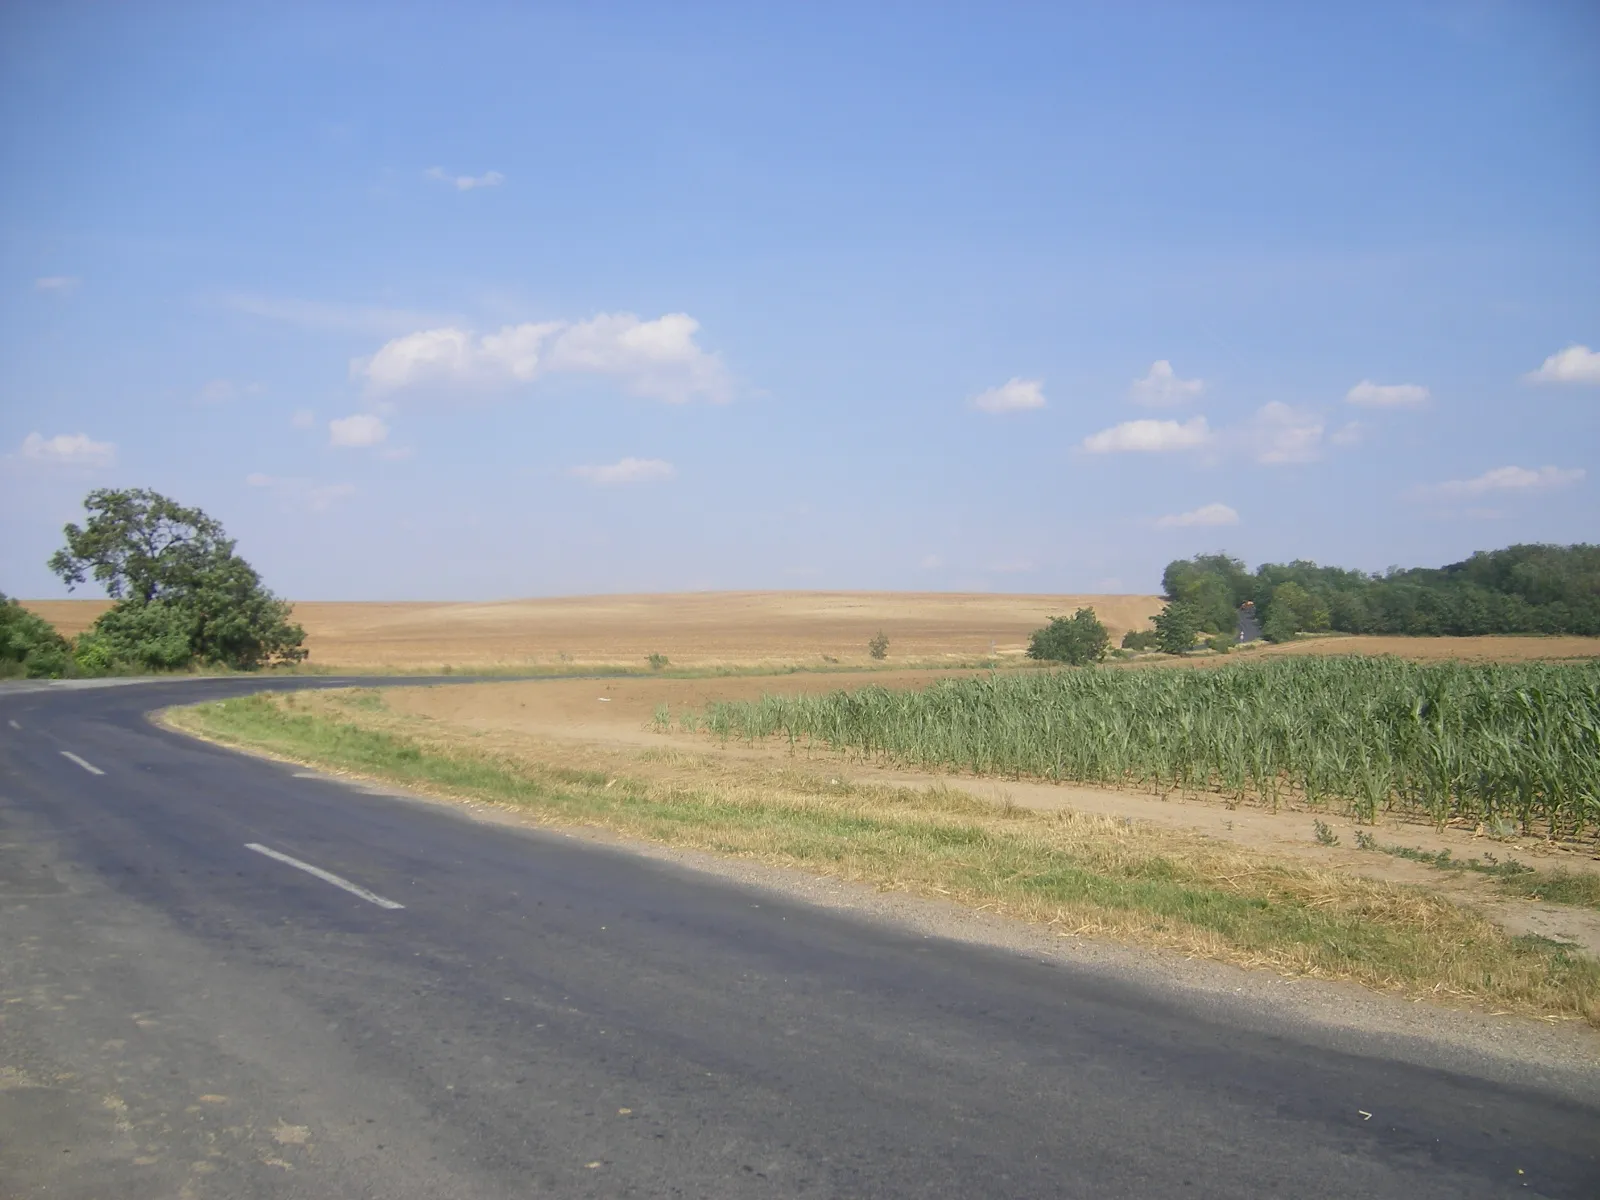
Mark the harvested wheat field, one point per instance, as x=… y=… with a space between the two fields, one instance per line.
x=698 y=629
x=774 y=629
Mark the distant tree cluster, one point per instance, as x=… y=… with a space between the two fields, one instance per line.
x=181 y=596
x=1521 y=589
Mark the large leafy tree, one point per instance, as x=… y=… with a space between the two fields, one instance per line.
x=182 y=594
x=1176 y=627
x=1212 y=585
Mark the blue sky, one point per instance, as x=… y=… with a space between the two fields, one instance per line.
x=477 y=301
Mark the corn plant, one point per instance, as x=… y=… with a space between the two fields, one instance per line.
x=1498 y=744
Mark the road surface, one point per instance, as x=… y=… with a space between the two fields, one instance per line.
x=219 y=978
x=1249 y=627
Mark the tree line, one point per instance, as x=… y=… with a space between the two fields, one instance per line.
x=1520 y=589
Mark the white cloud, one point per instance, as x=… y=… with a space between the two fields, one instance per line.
x=1387 y=395
x=61 y=285
x=68 y=450
x=657 y=359
x=1575 y=364
x=302 y=493
x=1161 y=387
x=429 y=355
x=1015 y=395
x=303 y=418
x=1500 y=479
x=1148 y=436
x=628 y=470
x=1206 y=514
x=362 y=429
x=466 y=183
x=1281 y=434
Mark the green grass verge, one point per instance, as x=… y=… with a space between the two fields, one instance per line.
x=1084 y=874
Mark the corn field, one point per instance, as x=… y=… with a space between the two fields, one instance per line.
x=1511 y=746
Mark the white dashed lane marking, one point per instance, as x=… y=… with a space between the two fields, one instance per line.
x=338 y=881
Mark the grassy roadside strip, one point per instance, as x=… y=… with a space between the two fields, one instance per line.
x=1076 y=873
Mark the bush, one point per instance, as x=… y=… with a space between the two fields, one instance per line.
x=1176 y=627
x=1221 y=643
x=1140 y=639
x=657 y=661
x=878 y=647
x=1077 y=642
x=30 y=645
x=1280 y=625
x=147 y=637
x=93 y=654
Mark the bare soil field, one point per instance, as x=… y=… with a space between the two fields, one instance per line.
x=716 y=629
x=699 y=629
x=1492 y=648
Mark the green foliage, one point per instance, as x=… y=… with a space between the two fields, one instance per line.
x=30 y=645
x=1325 y=834
x=1077 y=642
x=182 y=595
x=657 y=661
x=1176 y=627
x=1513 y=744
x=878 y=647
x=1521 y=589
x=1279 y=625
x=1140 y=639
x=138 y=544
x=1212 y=585
x=146 y=637
x=1221 y=643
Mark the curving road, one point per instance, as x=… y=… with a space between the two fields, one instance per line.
x=221 y=978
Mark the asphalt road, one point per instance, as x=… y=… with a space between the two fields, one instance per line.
x=182 y=1015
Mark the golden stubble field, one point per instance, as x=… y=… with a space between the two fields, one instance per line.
x=697 y=629
x=755 y=629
